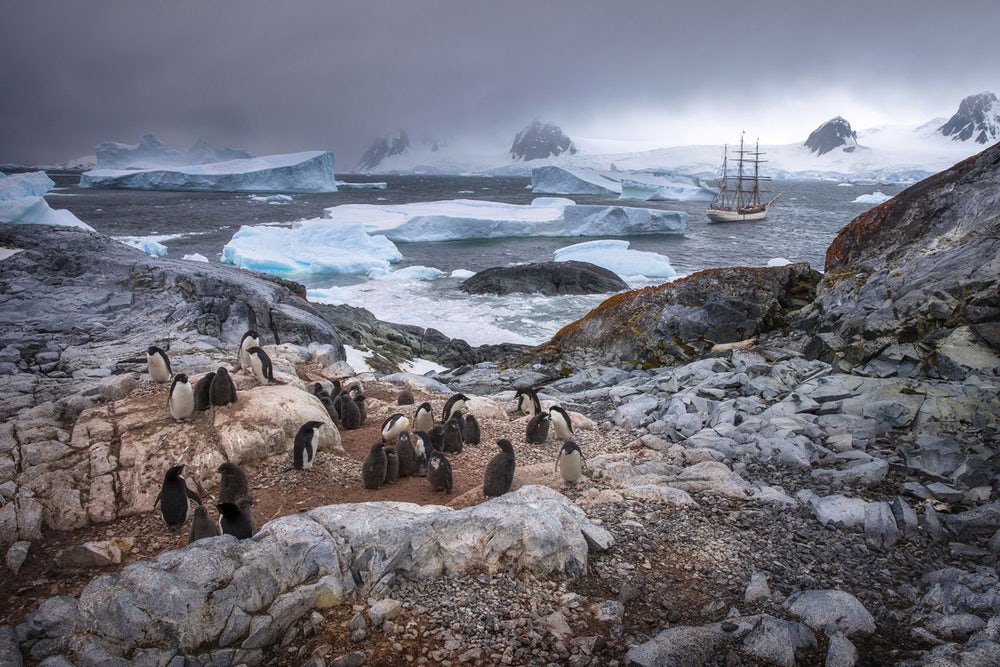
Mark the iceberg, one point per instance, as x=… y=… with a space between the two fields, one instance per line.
x=148 y=244
x=310 y=171
x=152 y=153
x=314 y=246
x=22 y=202
x=648 y=187
x=877 y=197
x=554 y=180
x=615 y=255
x=462 y=219
x=636 y=185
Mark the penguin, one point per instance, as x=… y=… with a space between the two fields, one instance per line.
x=202 y=392
x=439 y=471
x=232 y=483
x=201 y=526
x=319 y=391
x=306 y=444
x=405 y=397
x=180 y=402
x=471 y=433
x=452 y=442
x=374 y=468
x=407 y=455
x=236 y=519
x=331 y=409
x=392 y=426
x=391 y=465
x=261 y=366
x=350 y=413
x=561 y=423
x=537 y=430
x=452 y=406
x=173 y=498
x=436 y=437
x=158 y=364
x=570 y=462
x=250 y=339
x=223 y=389
x=423 y=418
x=421 y=447
x=359 y=399
x=499 y=473
x=527 y=401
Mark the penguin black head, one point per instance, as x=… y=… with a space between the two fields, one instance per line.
x=228 y=467
x=152 y=349
x=174 y=472
x=505 y=446
x=313 y=424
x=222 y=372
x=181 y=377
x=251 y=333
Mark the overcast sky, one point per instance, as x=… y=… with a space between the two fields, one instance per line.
x=277 y=77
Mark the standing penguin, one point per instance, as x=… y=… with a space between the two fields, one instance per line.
x=423 y=418
x=391 y=465
x=158 y=364
x=306 y=444
x=452 y=442
x=452 y=406
x=570 y=462
x=527 y=401
x=261 y=366
x=470 y=431
x=203 y=392
x=180 y=402
x=350 y=413
x=499 y=473
x=392 y=426
x=561 y=423
x=374 y=467
x=436 y=437
x=223 y=389
x=232 y=483
x=331 y=409
x=236 y=519
x=537 y=430
x=359 y=400
x=406 y=455
x=250 y=339
x=173 y=498
x=439 y=471
x=421 y=446
x=201 y=525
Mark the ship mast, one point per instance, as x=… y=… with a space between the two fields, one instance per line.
x=756 y=168
x=739 y=175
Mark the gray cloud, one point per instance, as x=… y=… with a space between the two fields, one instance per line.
x=312 y=74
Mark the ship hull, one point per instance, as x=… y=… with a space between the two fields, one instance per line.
x=721 y=215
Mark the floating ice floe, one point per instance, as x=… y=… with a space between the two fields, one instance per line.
x=635 y=185
x=22 y=202
x=151 y=245
x=271 y=199
x=615 y=255
x=876 y=197
x=196 y=257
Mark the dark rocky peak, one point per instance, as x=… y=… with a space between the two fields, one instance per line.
x=382 y=148
x=831 y=135
x=977 y=118
x=540 y=140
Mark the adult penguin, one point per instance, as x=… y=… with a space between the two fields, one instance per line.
x=471 y=433
x=158 y=364
x=527 y=401
x=423 y=418
x=374 y=467
x=561 y=423
x=203 y=392
x=407 y=455
x=391 y=465
x=499 y=473
x=250 y=339
x=570 y=462
x=452 y=406
x=223 y=389
x=439 y=471
x=452 y=441
x=233 y=483
x=537 y=430
x=173 y=497
x=180 y=401
x=261 y=366
x=236 y=519
x=306 y=444
x=392 y=426
x=350 y=413
x=201 y=525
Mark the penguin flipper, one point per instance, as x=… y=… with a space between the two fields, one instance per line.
x=157 y=501
x=193 y=496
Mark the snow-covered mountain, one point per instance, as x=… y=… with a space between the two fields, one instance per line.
x=977 y=118
x=831 y=135
x=540 y=140
x=151 y=153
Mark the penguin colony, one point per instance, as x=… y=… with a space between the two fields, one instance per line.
x=406 y=448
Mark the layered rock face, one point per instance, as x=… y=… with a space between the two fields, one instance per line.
x=911 y=286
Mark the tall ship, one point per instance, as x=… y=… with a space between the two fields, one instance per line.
x=741 y=197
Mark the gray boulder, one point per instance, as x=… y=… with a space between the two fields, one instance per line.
x=548 y=278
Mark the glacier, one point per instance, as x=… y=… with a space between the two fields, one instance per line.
x=309 y=171
x=22 y=202
x=615 y=255
x=630 y=185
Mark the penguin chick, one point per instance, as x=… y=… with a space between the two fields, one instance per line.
x=439 y=471
x=407 y=455
x=158 y=364
x=236 y=519
x=173 y=497
x=537 y=430
x=422 y=447
x=359 y=400
x=350 y=413
x=222 y=390
x=391 y=465
x=202 y=526
x=232 y=483
x=180 y=401
x=570 y=462
x=203 y=393
x=471 y=432
x=374 y=467
x=405 y=397
x=452 y=441
x=499 y=473
x=561 y=423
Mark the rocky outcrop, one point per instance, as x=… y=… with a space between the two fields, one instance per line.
x=548 y=278
x=540 y=140
x=831 y=135
x=977 y=118
x=679 y=321
x=912 y=287
x=382 y=148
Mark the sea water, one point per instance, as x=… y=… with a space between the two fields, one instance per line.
x=798 y=228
